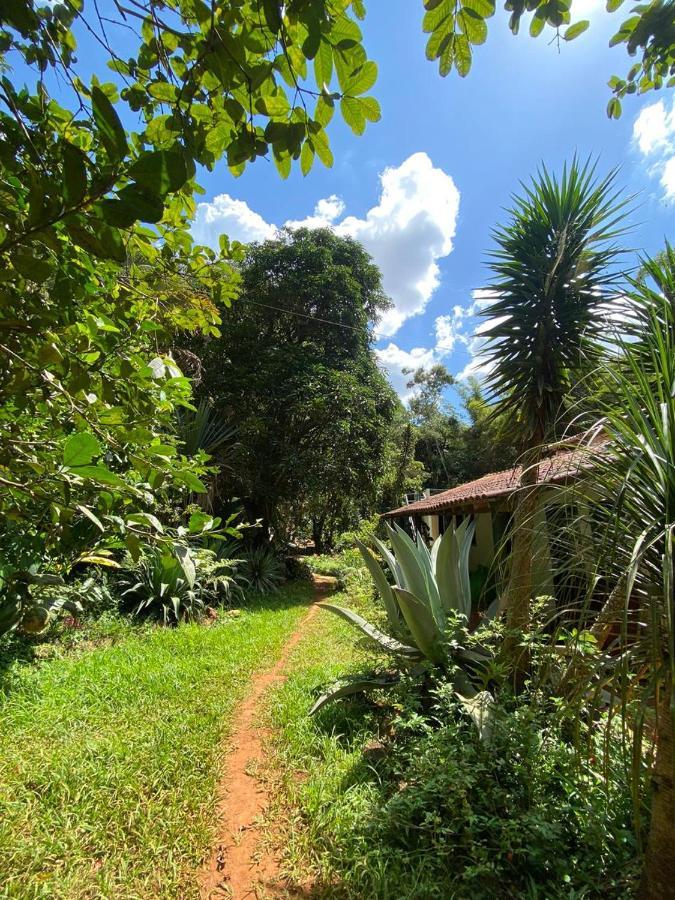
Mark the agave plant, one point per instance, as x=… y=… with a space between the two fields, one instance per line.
x=428 y=609
x=165 y=585
x=262 y=570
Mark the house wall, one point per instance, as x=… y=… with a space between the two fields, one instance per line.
x=483 y=549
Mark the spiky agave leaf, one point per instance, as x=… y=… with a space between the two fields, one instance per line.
x=384 y=641
x=419 y=578
x=481 y=709
x=391 y=561
x=383 y=587
x=422 y=624
x=452 y=568
x=358 y=684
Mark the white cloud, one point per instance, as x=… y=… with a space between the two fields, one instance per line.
x=235 y=218
x=668 y=178
x=653 y=127
x=407 y=232
x=395 y=360
x=654 y=135
x=325 y=213
x=448 y=332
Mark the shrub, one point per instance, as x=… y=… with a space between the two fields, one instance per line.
x=164 y=586
x=262 y=570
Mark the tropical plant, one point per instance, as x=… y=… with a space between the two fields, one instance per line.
x=202 y=429
x=262 y=569
x=218 y=576
x=164 y=585
x=555 y=271
x=632 y=518
x=427 y=609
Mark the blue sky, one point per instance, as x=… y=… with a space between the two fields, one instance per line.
x=424 y=187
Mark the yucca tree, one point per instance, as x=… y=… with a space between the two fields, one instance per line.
x=554 y=272
x=632 y=484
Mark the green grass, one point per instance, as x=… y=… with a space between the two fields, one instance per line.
x=389 y=801
x=110 y=752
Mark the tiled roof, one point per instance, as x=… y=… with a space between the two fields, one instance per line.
x=559 y=467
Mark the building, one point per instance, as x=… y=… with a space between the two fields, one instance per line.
x=489 y=501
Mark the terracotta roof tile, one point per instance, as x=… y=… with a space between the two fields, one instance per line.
x=559 y=467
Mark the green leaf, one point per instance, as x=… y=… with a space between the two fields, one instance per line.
x=145 y=206
x=79 y=449
x=323 y=65
x=91 y=516
x=160 y=171
x=575 y=30
x=370 y=108
x=273 y=105
x=164 y=91
x=322 y=148
x=422 y=625
x=353 y=114
x=538 y=23
x=306 y=158
x=362 y=79
x=383 y=587
x=146 y=518
x=462 y=55
x=614 y=108
x=190 y=480
x=112 y=134
x=481 y=709
x=357 y=684
x=74 y=175
x=613 y=5
x=100 y=474
x=411 y=654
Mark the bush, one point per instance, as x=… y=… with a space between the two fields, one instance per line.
x=262 y=570
x=446 y=815
x=164 y=586
x=297 y=568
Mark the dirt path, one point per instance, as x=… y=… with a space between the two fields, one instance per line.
x=239 y=868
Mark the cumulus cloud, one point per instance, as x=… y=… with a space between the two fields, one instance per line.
x=654 y=135
x=235 y=218
x=407 y=232
x=448 y=333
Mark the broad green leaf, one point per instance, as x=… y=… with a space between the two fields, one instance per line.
x=422 y=625
x=146 y=206
x=323 y=65
x=160 y=171
x=74 y=175
x=112 y=133
x=101 y=474
x=576 y=29
x=306 y=158
x=322 y=148
x=353 y=114
x=190 y=480
x=145 y=518
x=370 y=108
x=362 y=79
x=91 y=516
x=80 y=449
x=164 y=91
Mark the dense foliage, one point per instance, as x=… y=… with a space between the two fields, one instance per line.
x=294 y=370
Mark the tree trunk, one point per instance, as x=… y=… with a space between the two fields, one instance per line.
x=658 y=880
x=519 y=589
x=317 y=534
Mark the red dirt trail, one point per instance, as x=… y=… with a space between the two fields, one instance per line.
x=239 y=869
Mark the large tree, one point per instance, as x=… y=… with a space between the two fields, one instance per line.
x=555 y=271
x=296 y=373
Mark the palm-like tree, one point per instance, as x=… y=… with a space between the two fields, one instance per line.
x=633 y=525
x=555 y=270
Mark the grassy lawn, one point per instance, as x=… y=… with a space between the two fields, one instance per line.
x=109 y=753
